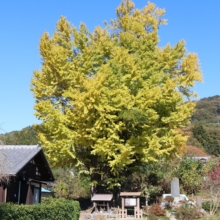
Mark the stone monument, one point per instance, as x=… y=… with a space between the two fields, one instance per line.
x=175 y=188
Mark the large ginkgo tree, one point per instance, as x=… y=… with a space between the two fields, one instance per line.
x=112 y=99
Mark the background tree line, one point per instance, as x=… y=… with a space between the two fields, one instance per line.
x=26 y=136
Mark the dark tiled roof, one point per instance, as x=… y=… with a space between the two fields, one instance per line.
x=14 y=157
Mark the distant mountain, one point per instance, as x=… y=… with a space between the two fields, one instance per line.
x=27 y=136
x=204 y=131
x=207 y=111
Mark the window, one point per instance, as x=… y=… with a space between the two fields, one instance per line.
x=36 y=195
x=32 y=161
x=37 y=172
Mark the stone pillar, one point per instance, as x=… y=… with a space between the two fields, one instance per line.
x=122 y=206
x=175 y=188
x=199 y=201
x=108 y=209
x=138 y=206
x=95 y=206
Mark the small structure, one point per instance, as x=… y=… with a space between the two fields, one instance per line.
x=203 y=159
x=130 y=199
x=102 y=202
x=27 y=169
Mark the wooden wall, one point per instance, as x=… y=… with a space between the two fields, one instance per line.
x=3 y=192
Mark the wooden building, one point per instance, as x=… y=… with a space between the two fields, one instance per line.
x=130 y=199
x=27 y=170
x=102 y=202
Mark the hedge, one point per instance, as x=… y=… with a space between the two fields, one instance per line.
x=50 y=208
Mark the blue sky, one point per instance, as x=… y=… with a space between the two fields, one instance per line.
x=23 y=22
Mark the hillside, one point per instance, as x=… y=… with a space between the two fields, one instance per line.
x=27 y=136
x=207 y=111
x=204 y=131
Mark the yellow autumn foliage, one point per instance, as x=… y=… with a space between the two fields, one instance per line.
x=112 y=98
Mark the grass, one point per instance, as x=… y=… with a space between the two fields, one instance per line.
x=164 y=218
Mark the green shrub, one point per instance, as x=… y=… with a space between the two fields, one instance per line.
x=56 y=209
x=187 y=212
x=164 y=218
x=206 y=205
x=152 y=217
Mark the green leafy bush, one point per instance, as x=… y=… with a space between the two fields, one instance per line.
x=211 y=207
x=69 y=186
x=190 y=174
x=187 y=212
x=206 y=206
x=56 y=209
